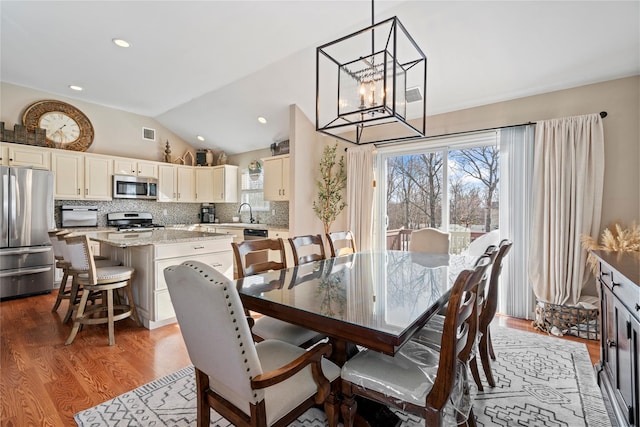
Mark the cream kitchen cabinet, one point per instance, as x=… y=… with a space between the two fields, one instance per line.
x=24 y=155
x=225 y=184
x=176 y=184
x=149 y=286
x=204 y=184
x=124 y=166
x=81 y=177
x=276 y=178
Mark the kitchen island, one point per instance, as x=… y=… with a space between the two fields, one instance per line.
x=151 y=251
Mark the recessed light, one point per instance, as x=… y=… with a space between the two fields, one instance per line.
x=200 y=138
x=120 y=42
x=262 y=120
x=74 y=87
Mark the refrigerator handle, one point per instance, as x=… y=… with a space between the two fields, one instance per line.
x=5 y=206
x=14 y=190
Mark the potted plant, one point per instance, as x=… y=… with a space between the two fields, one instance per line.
x=331 y=185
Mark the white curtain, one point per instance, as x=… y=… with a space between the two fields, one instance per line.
x=360 y=194
x=568 y=175
x=516 y=171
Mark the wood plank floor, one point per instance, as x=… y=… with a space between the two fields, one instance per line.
x=44 y=383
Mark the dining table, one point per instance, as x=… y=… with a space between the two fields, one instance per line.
x=373 y=299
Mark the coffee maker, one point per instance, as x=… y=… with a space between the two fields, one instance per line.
x=208 y=214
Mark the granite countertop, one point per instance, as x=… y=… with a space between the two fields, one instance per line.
x=152 y=237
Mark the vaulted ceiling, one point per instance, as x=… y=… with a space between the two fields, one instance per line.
x=211 y=68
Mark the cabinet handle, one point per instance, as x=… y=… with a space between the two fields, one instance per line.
x=614 y=284
x=611 y=343
x=198 y=247
x=86 y=191
x=637 y=307
x=78 y=191
x=216 y=265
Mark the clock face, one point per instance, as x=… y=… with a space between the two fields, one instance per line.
x=60 y=128
x=66 y=126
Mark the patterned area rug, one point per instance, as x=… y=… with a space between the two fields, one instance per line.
x=541 y=381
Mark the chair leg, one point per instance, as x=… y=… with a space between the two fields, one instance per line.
x=471 y=421
x=473 y=364
x=491 y=353
x=110 y=320
x=79 y=316
x=73 y=297
x=134 y=312
x=349 y=406
x=204 y=412
x=62 y=290
x=484 y=351
x=331 y=405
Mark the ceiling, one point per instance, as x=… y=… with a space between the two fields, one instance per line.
x=211 y=68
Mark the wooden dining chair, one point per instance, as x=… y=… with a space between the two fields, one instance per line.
x=429 y=240
x=259 y=256
x=341 y=243
x=427 y=381
x=307 y=248
x=105 y=280
x=64 y=292
x=488 y=312
x=270 y=383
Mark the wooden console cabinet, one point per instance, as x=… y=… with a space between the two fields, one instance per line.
x=619 y=367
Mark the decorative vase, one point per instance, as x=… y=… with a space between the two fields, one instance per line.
x=209 y=158
x=222 y=159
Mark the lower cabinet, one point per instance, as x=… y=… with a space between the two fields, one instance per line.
x=619 y=375
x=149 y=286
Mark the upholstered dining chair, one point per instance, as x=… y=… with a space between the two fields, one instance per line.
x=61 y=263
x=429 y=240
x=341 y=243
x=107 y=281
x=269 y=383
x=307 y=248
x=259 y=256
x=430 y=382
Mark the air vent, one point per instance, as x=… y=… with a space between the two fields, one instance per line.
x=413 y=94
x=148 y=134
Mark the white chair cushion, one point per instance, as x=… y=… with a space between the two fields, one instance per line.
x=271 y=328
x=281 y=398
x=100 y=263
x=111 y=274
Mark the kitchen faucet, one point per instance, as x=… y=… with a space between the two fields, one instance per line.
x=251 y=220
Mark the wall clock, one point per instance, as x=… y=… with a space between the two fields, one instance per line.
x=66 y=126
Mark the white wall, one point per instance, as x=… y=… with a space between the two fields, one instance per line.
x=117 y=132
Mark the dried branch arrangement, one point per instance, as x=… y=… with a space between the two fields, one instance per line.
x=619 y=239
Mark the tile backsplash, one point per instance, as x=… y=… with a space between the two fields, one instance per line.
x=178 y=213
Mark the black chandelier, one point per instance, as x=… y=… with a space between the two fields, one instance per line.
x=370 y=85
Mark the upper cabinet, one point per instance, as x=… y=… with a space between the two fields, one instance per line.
x=276 y=177
x=123 y=166
x=167 y=185
x=204 y=184
x=81 y=177
x=24 y=155
x=186 y=184
x=225 y=184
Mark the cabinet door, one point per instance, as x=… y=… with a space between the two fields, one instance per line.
x=148 y=169
x=285 y=179
x=225 y=184
x=624 y=381
x=167 y=186
x=4 y=155
x=272 y=169
x=204 y=184
x=38 y=158
x=609 y=335
x=97 y=178
x=186 y=184
x=124 y=167
x=69 y=181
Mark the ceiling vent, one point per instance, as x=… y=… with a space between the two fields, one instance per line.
x=148 y=134
x=413 y=94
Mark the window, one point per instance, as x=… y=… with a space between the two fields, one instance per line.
x=450 y=184
x=252 y=192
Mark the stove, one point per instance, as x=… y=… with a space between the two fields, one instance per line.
x=132 y=221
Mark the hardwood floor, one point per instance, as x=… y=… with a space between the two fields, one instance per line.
x=44 y=383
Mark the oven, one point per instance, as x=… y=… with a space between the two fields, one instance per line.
x=254 y=234
x=134 y=187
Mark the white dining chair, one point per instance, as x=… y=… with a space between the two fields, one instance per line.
x=429 y=240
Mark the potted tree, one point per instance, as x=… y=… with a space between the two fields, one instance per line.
x=331 y=185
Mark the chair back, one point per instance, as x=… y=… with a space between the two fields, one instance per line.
x=78 y=253
x=490 y=304
x=58 y=244
x=215 y=330
x=458 y=333
x=252 y=256
x=307 y=248
x=341 y=243
x=429 y=240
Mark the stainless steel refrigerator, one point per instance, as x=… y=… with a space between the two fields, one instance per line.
x=26 y=255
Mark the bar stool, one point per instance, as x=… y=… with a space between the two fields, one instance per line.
x=106 y=280
x=74 y=293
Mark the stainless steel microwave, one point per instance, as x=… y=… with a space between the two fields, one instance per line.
x=134 y=187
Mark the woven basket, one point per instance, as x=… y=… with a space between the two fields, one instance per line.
x=568 y=320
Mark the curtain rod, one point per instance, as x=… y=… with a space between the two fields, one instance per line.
x=603 y=114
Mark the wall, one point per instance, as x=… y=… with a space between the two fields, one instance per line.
x=117 y=132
